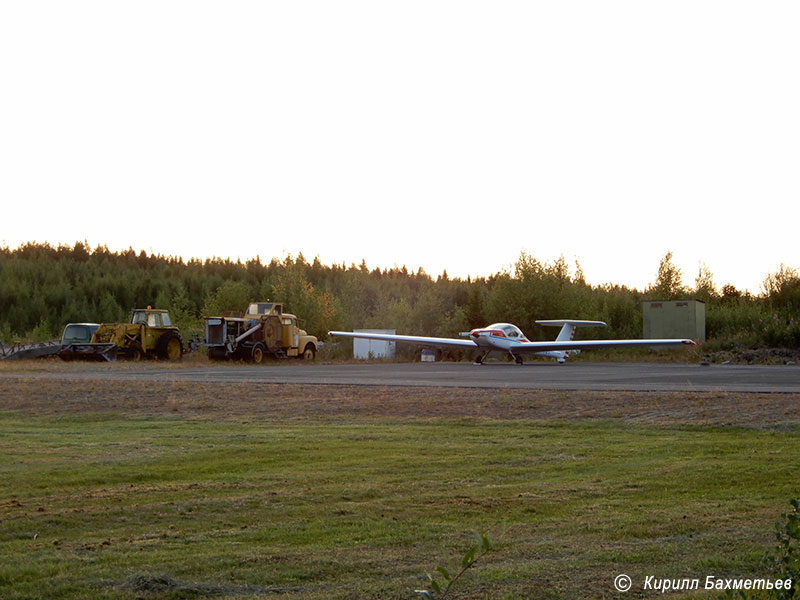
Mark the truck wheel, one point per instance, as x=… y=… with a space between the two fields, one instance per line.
x=134 y=353
x=169 y=346
x=309 y=353
x=257 y=354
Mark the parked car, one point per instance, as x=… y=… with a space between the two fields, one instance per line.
x=75 y=343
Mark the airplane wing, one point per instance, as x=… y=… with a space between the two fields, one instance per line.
x=414 y=339
x=523 y=347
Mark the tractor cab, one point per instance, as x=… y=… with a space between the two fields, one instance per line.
x=151 y=318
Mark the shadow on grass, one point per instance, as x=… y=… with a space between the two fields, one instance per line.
x=167 y=586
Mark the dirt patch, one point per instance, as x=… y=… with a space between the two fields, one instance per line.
x=754 y=355
x=269 y=401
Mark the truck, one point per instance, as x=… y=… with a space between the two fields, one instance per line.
x=263 y=330
x=76 y=344
x=148 y=333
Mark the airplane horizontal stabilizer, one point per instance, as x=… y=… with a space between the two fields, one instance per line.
x=569 y=326
x=576 y=323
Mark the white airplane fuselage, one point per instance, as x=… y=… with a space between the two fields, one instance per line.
x=495 y=337
x=504 y=337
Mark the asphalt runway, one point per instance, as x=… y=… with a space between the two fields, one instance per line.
x=539 y=375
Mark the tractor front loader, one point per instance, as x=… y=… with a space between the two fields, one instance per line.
x=149 y=333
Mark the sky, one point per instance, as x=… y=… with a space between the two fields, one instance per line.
x=436 y=134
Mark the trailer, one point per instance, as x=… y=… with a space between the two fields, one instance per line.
x=31 y=350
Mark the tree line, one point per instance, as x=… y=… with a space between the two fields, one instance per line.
x=43 y=287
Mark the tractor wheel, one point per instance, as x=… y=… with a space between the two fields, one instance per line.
x=134 y=353
x=309 y=353
x=257 y=354
x=170 y=347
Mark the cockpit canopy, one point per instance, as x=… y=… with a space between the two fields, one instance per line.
x=509 y=330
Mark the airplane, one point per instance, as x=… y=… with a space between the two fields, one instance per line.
x=508 y=338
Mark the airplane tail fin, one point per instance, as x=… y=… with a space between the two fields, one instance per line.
x=568 y=327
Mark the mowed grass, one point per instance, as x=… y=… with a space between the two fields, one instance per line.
x=99 y=505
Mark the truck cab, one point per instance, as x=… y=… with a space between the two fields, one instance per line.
x=295 y=341
x=291 y=336
x=78 y=333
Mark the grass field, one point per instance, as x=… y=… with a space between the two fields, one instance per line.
x=267 y=491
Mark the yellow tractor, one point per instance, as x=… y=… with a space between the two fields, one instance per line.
x=150 y=332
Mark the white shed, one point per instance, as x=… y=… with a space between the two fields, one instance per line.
x=364 y=348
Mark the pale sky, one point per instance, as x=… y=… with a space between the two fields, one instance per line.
x=447 y=135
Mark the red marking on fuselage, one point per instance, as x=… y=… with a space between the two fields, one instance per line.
x=494 y=332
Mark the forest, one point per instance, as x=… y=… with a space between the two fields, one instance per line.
x=43 y=287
